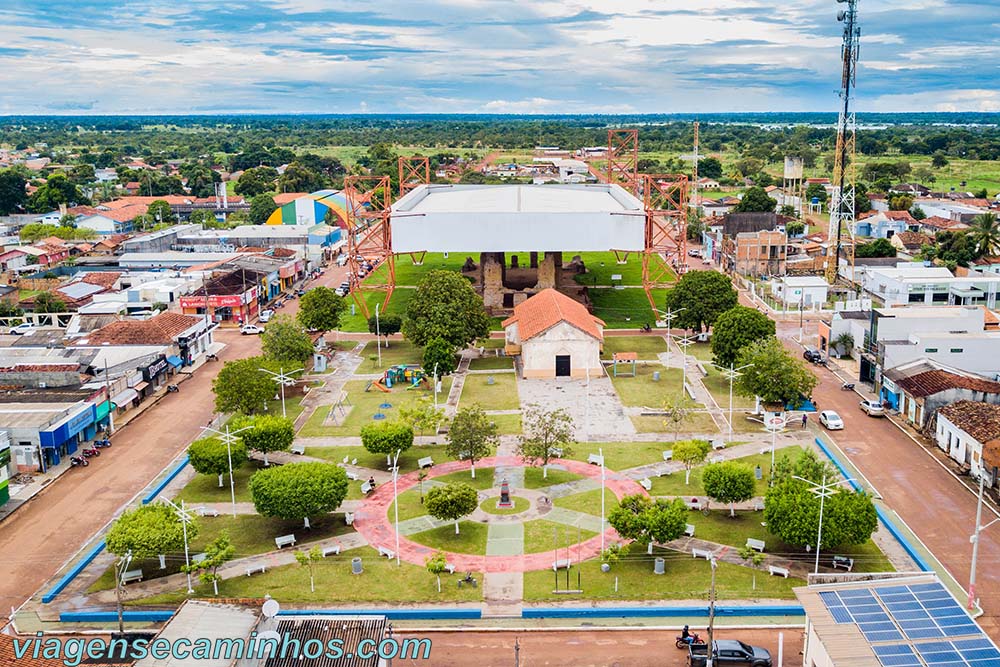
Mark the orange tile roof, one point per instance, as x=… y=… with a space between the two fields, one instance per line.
x=105 y=279
x=285 y=197
x=157 y=330
x=548 y=308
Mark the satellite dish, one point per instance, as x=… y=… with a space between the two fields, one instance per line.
x=271 y=608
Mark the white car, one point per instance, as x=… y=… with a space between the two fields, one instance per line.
x=872 y=408
x=266 y=315
x=22 y=328
x=831 y=420
x=251 y=330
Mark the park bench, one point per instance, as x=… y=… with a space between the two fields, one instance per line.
x=595 y=459
x=561 y=564
x=690 y=391
x=449 y=568
x=701 y=367
x=844 y=562
x=556 y=452
x=715 y=459
x=298 y=449
x=701 y=553
x=349 y=518
x=776 y=571
x=285 y=541
x=262 y=568
x=693 y=504
x=334 y=550
x=207 y=511
x=425 y=462
x=367 y=488
x=689 y=530
x=668 y=455
x=388 y=553
x=757 y=545
x=131 y=575
x=353 y=476
x=646 y=484
x=198 y=558
x=346 y=459
x=354 y=462
x=718 y=443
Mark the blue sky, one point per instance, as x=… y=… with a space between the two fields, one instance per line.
x=500 y=56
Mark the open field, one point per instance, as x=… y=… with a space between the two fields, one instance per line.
x=647 y=347
x=673 y=484
x=643 y=391
x=541 y=535
x=501 y=395
x=588 y=502
x=625 y=308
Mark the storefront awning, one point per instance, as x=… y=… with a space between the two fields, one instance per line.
x=141 y=386
x=175 y=361
x=125 y=397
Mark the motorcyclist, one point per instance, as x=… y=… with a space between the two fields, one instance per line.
x=686 y=635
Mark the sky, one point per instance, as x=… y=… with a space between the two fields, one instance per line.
x=490 y=56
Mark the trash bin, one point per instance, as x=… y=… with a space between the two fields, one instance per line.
x=758 y=473
x=656 y=376
x=605 y=567
x=658 y=566
x=356 y=565
x=490 y=380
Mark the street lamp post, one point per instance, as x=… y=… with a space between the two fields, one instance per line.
x=229 y=437
x=711 y=617
x=778 y=425
x=669 y=315
x=395 y=499
x=975 y=539
x=731 y=374
x=378 y=337
x=435 y=387
x=283 y=379
x=185 y=519
x=600 y=452
x=685 y=342
x=822 y=490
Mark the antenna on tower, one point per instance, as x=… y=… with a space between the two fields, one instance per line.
x=694 y=158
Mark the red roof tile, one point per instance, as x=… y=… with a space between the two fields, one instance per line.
x=980 y=420
x=158 y=330
x=932 y=382
x=548 y=308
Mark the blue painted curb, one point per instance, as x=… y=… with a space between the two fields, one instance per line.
x=394 y=614
x=107 y=616
x=72 y=574
x=650 y=612
x=838 y=465
x=151 y=496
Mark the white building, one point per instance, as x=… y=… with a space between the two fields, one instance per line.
x=964 y=430
x=807 y=291
x=929 y=285
x=554 y=336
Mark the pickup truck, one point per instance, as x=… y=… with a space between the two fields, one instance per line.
x=729 y=652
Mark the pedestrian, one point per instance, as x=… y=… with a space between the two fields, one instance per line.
x=805 y=419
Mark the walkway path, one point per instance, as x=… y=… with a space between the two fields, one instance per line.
x=596 y=409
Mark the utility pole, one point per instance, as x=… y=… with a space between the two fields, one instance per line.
x=822 y=490
x=120 y=571
x=378 y=337
x=711 y=617
x=975 y=537
x=229 y=438
x=517 y=652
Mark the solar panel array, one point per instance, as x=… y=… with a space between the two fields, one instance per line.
x=915 y=615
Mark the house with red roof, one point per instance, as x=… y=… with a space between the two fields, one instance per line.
x=551 y=335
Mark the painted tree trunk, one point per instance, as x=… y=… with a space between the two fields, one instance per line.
x=456 y=527
x=163 y=562
x=220 y=480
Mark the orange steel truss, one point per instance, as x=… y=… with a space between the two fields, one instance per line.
x=413 y=171
x=665 y=198
x=623 y=159
x=369 y=235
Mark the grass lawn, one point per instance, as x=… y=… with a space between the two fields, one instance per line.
x=718 y=387
x=410 y=506
x=686 y=578
x=642 y=391
x=507 y=424
x=621 y=455
x=533 y=478
x=381 y=581
x=697 y=422
x=483 y=480
x=365 y=405
x=358 y=323
x=490 y=343
x=542 y=535
x=703 y=351
x=647 y=346
x=470 y=540
x=398 y=352
x=491 y=363
x=410 y=274
x=490 y=505
x=501 y=395
x=407 y=459
x=673 y=484
x=205 y=488
x=625 y=308
x=588 y=502
x=602 y=265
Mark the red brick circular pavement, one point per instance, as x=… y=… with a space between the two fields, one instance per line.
x=373 y=523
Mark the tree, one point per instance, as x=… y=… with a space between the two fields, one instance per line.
x=545 y=431
x=876 y=248
x=8 y=309
x=218 y=552
x=710 y=167
x=900 y=203
x=794 y=228
x=939 y=161
x=386 y=437
x=451 y=502
x=47 y=302
x=789 y=211
x=773 y=374
x=241 y=387
x=645 y=521
x=985 y=231
x=756 y=200
x=439 y=354
x=320 y=309
x=691 y=453
x=266 y=433
x=729 y=482
x=256 y=181
x=298 y=490
x=56 y=191
x=160 y=211
x=385 y=325
x=421 y=415
x=148 y=531
x=445 y=306
x=36 y=231
x=845 y=342
x=205 y=218
x=436 y=564
x=13 y=195
x=210 y=456
x=677 y=409
x=704 y=295
x=261 y=208
x=816 y=191
x=472 y=436
x=285 y=341
x=917 y=213
x=309 y=559
x=735 y=329
x=300 y=178
x=791 y=512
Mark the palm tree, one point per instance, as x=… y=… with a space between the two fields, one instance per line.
x=986 y=231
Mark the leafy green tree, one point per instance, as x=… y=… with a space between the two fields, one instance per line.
x=794 y=228
x=218 y=552
x=939 y=161
x=735 y=329
x=472 y=436
x=545 y=431
x=298 y=490
x=645 y=521
x=445 y=306
x=160 y=211
x=309 y=559
x=710 y=167
x=451 y=502
x=300 y=178
x=900 y=203
x=256 y=181
x=439 y=354
x=285 y=341
x=876 y=248
x=756 y=200
x=436 y=565
x=205 y=218
x=773 y=374
x=817 y=191
x=791 y=512
x=729 y=482
x=148 y=531
x=704 y=295
x=261 y=208
x=985 y=231
x=8 y=309
x=56 y=191
x=320 y=308
x=266 y=433
x=385 y=325
x=210 y=456
x=421 y=415
x=691 y=453
x=13 y=195
x=241 y=387
x=845 y=342
x=47 y=302
x=36 y=231
x=386 y=437
x=917 y=213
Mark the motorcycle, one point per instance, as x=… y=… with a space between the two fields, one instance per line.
x=100 y=444
x=212 y=357
x=172 y=389
x=847 y=386
x=78 y=461
x=91 y=451
x=691 y=640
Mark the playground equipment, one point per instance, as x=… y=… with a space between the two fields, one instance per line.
x=400 y=374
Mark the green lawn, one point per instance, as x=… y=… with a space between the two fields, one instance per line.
x=621 y=455
x=507 y=424
x=410 y=274
x=483 y=480
x=673 y=484
x=470 y=540
x=542 y=535
x=501 y=395
x=602 y=265
x=407 y=459
x=718 y=386
x=410 y=506
x=643 y=391
x=364 y=404
x=703 y=351
x=205 y=488
x=490 y=363
x=358 y=323
x=533 y=478
x=686 y=578
x=490 y=505
x=648 y=347
x=588 y=502
x=398 y=352
x=381 y=581
x=625 y=308
x=697 y=422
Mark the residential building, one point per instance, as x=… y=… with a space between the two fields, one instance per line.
x=909 y=242
x=806 y=292
x=761 y=253
x=935 y=223
x=184 y=338
x=918 y=389
x=706 y=183
x=960 y=210
x=964 y=430
x=853 y=321
x=884 y=224
x=551 y=335
x=918 y=284
x=231 y=298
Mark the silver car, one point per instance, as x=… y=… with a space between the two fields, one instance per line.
x=872 y=408
x=831 y=420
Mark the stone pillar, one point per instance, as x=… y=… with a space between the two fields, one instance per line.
x=534 y=260
x=547 y=271
x=491 y=267
x=513 y=261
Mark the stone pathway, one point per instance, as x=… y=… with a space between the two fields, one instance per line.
x=597 y=412
x=505 y=539
x=457 y=383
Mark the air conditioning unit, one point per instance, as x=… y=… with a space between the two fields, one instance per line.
x=41 y=385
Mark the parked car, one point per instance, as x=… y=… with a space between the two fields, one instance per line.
x=694 y=252
x=251 y=330
x=831 y=420
x=729 y=652
x=266 y=315
x=23 y=328
x=872 y=408
x=299 y=292
x=812 y=355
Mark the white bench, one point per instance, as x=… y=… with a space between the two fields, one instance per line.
x=561 y=564
x=449 y=568
x=716 y=459
x=776 y=571
x=690 y=391
x=353 y=476
x=388 y=553
x=646 y=484
x=334 y=550
x=131 y=575
x=207 y=511
x=718 y=443
x=198 y=558
x=285 y=541
x=668 y=455
x=757 y=545
x=556 y=452
x=844 y=562
x=367 y=488
x=346 y=459
x=689 y=529
x=595 y=459
x=354 y=462
x=298 y=449
x=257 y=568
x=701 y=553
x=349 y=518
x=693 y=504
x=425 y=462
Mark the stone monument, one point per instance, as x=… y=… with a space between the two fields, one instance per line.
x=504 y=495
